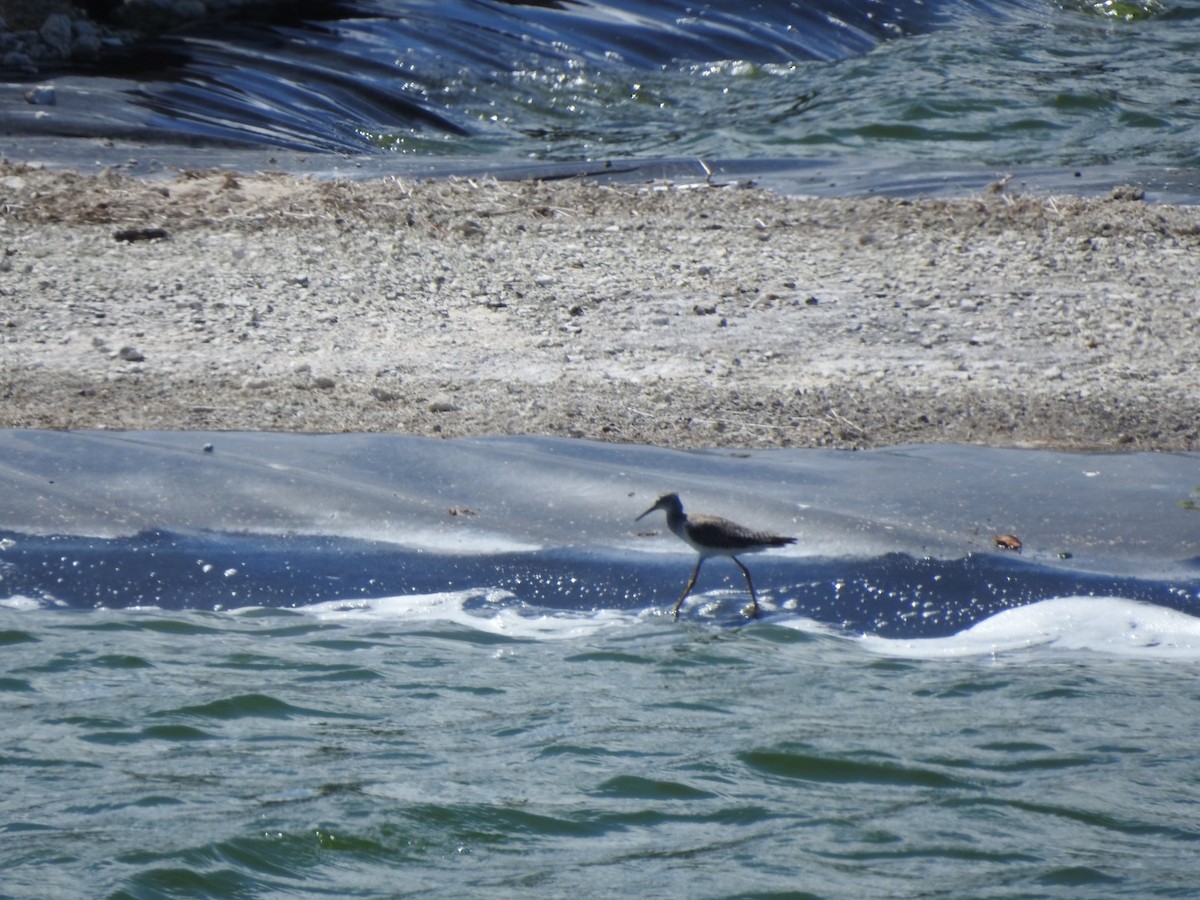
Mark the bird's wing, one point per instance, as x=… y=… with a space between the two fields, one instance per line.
x=715 y=532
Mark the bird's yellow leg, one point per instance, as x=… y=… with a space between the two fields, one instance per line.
x=749 y=584
x=687 y=590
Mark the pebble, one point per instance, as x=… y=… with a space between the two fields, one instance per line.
x=42 y=95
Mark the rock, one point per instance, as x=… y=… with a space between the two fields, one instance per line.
x=56 y=34
x=18 y=61
x=42 y=95
x=131 y=354
x=85 y=42
x=1128 y=192
x=130 y=235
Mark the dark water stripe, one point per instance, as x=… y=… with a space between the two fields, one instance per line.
x=242 y=706
x=176 y=732
x=172 y=733
x=586 y=751
x=893 y=595
x=635 y=787
x=934 y=852
x=1098 y=818
x=803 y=765
x=504 y=824
x=348 y=674
x=122 y=661
x=1024 y=764
x=1077 y=877
x=164 y=625
x=183 y=881
x=42 y=762
x=113 y=738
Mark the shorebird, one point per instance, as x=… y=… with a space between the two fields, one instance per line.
x=713 y=536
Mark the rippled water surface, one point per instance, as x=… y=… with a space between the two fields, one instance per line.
x=385 y=752
x=1025 y=84
x=989 y=87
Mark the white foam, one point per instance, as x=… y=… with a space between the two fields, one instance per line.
x=22 y=604
x=451 y=607
x=1109 y=625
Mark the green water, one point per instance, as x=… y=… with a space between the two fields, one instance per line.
x=1041 y=85
x=264 y=754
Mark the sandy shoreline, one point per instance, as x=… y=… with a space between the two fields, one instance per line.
x=666 y=315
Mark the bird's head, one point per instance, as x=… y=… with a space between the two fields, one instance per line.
x=666 y=503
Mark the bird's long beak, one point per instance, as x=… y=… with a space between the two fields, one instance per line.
x=646 y=513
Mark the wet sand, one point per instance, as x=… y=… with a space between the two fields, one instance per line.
x=683 y=315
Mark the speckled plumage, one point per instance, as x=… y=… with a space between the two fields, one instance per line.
x=714 y=536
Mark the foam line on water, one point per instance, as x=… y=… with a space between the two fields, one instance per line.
x=1109 y=625
x=451 y=607
x=22 y=603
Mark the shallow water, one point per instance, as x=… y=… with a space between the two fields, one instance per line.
x=898 y=542
x=389 y=751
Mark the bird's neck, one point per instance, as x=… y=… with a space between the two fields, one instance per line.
x=677 y=521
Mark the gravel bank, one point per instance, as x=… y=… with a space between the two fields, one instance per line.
x=668 y=315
